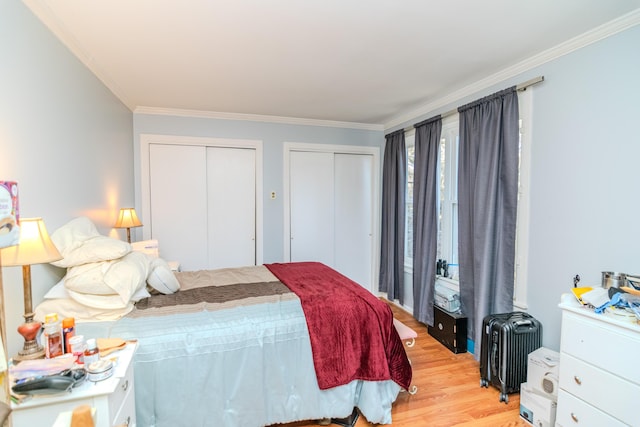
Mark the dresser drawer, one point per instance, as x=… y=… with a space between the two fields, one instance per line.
x=600 y=344
x=573 y=412
x=121 y=393
x=126 y=416
x=592 y=384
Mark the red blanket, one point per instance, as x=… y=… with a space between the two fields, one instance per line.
x=351 y=331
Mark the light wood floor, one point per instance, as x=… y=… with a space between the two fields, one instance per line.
x=449 y=392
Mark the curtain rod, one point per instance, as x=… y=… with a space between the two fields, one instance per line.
x=519 y=88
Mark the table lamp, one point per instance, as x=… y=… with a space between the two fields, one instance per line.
x=35 y=247
x=127 y=219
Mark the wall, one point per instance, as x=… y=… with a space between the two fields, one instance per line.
x=273 y=136
x=63 y=136
x=584 y=171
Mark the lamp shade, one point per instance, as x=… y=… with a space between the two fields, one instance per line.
x=35 y=246
x=127 y=218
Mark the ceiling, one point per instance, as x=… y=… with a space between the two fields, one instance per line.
x=360 y=61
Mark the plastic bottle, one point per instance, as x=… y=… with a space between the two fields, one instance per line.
x=77 y=348
x=53 y=345
x=68 y=331
x=91 y=353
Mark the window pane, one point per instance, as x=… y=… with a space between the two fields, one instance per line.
x=408 y=241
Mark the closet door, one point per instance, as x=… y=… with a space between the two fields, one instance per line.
x=331 y=211
x=178 y=209
x=231 y=196
x=353 y=198
x=311 y=207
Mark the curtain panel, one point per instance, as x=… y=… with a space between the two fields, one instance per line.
x=425 y=217
x=394 y=183
x=487 y=202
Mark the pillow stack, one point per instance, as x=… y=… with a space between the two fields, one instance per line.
x=105 y=273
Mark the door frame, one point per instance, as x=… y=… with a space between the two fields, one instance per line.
x=146 y=140
x=375 y=208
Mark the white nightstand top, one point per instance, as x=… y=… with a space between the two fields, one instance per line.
x=121 y=360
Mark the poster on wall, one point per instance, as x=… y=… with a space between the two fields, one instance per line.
x=9 y=214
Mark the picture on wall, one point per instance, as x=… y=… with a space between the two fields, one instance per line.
x=9 y=214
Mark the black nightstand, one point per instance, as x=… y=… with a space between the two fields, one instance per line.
x=450 y=329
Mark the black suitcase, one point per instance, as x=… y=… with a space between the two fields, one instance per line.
x=507 y=340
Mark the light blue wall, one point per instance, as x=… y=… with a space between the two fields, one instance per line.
x=63 y=136
x=584 y=205
x=273 y=136
x=584 y=175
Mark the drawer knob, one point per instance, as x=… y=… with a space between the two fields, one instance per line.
x=577 y=380
x=574 y=418
x=125 y=386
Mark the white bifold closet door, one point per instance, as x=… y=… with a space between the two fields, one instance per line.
x=331 y=212
x=202 y=205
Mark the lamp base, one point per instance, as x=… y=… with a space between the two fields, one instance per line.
x=29 y=331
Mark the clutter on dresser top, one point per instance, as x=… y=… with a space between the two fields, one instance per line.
x=618 y=295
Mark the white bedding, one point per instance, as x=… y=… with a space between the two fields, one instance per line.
x=235 y=366
x=246 y=366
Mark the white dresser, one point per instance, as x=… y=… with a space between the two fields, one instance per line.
x=113 y=399
x=599 y=382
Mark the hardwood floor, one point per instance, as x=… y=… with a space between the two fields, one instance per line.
x=449 y=392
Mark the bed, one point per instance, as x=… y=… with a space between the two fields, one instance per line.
x=249 y=346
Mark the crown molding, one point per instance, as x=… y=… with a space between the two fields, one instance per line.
x=256 y=118
x=615 y=26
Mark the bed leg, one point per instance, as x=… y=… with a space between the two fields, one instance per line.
x=349 y=421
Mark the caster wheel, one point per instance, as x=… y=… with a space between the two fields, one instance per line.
x=504 y=398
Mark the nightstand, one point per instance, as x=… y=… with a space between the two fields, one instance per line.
x=113 y=398
x=450 y=329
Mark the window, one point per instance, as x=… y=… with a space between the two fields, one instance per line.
x=447 y=246
x=410 y=144
x=447 y=239
x=447 y=194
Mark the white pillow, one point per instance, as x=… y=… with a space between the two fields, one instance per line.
x=59 y=291
x=89 y=278
x=124 y=277
x=161 y=278
x=81 y=313
x=79 y=242
x=96 y=249
x=72 y=234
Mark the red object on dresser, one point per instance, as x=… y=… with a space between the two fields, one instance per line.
x=351 y=330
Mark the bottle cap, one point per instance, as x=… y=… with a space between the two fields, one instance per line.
x=51 y=317
x=68 y=322
x=91 y=343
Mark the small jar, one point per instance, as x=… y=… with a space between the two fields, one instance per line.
x=91 y=353
x=77 y=348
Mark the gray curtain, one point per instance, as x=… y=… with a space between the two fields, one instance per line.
x=394 y=182
x=425 y=217
x=487 y=201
